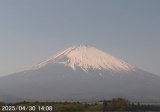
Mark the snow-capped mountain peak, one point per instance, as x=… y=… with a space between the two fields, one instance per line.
x=86 y=58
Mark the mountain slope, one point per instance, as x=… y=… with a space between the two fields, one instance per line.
x=81 y=73
x=87 y=57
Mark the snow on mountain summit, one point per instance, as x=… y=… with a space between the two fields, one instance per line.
x=86 y=57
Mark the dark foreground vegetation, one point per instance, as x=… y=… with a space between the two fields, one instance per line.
x=111 y=105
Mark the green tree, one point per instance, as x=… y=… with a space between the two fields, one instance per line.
x=104 y=105
x=97 y=107
x=118 y=105
x=138 y=106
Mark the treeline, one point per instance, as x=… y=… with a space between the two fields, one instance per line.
x=125 y=105
x=118 y=104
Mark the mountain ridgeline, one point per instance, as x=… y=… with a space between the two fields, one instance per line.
x=80 y=73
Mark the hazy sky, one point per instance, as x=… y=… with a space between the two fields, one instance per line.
x=33 y=30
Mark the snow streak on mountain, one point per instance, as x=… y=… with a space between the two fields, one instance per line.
x=86 y=58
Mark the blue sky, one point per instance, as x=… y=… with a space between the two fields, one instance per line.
x=33 y=30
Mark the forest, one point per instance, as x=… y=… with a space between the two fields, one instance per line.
x=118 y=104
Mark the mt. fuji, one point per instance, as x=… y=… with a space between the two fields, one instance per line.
x=87 y=57
x=81 y=73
